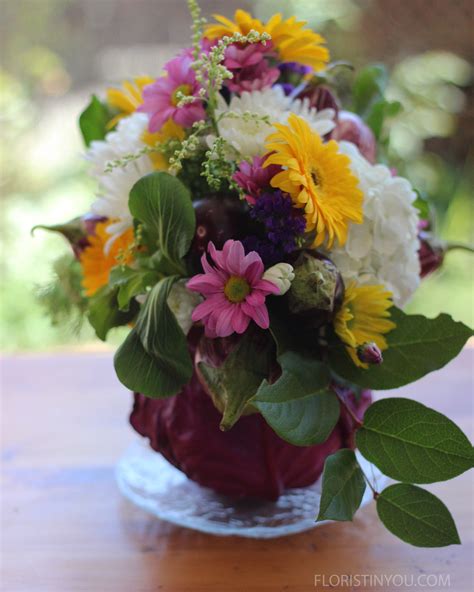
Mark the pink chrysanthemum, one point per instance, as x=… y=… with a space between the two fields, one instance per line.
x=160 y=99
x=253 y=178
x=234 y=290
x=250 y=67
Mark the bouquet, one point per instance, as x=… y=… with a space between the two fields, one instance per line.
x=250 y=233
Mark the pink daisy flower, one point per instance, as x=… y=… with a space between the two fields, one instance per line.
x=160 y=99
x=234 y=290
x=253 y=178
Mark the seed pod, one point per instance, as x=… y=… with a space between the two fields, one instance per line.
x=317 y=290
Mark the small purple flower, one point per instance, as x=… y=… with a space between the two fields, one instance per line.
x=161 y=97
x=283 y=225
x=369 y=353
x=294 y=68
x=250 y=67
x=253 y=178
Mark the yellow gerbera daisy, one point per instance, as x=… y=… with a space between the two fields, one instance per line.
x=169 y=131
x=96 y=263
x=364 y=318
x=290 y=39
x=317 y=177
x=128 y=98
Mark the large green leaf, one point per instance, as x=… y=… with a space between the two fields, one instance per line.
x=410 y=442
x=343 y=486
x=299 y=406
x=93 y=121
x=416 y=347
x=236 y=381
x=104 y=313
x=163 y=204
x=131 y=282
x=154 y=359
x=416 y=516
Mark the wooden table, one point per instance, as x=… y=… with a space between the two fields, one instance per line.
x=66 y=528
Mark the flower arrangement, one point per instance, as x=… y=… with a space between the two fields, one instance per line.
x=250 y=234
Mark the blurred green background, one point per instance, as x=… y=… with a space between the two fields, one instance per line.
x=55 y=53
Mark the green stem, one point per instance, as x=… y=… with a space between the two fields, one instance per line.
x=375 y=493
x=459 y=246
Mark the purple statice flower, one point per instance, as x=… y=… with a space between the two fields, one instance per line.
x=250 y=67
x=283 y=225
x=269 y=253
x=287 y=88
x=253 y=178
x=161 y=97
x=294 y=68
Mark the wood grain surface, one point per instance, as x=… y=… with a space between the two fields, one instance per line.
x=65 y=527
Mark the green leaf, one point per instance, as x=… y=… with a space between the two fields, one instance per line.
x=417 y=346
x=343 y=486
x=410 y=442
x=422 y=204
x=154 y=358
x=93 y=121
x=131 y=282
x=369 y=86
x=299 y=406
x=416 y=516
x=73 y=230
x=380 y=111
x=236 y=381
x=163 y=204
x=104 y=313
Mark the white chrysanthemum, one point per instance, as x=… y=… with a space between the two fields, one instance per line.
x=384 y=248
x=247 y=135
x=115 y=186
x=182 y=302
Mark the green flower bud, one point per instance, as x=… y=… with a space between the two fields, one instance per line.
x=317 y=290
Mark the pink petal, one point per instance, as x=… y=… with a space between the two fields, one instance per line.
x=217 y=256
x=240 y=321
x=205 y=283
x=207 y=307
x=253 y=268
x=256 y=298
x=258 y=313
x=267 y=287
x=158 y=119
x=235 y=255
x=224 y=321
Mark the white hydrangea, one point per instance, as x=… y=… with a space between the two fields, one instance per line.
x=115 y=186
x=384 y=248
x=248 y=135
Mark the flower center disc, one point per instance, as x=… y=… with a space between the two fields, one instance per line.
x=236 y=289
x=182 y=88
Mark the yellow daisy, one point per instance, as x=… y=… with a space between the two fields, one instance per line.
x=317 y=177
x=169 y=131
x=290 y=39
x=364 y=317
x=128 y=98
x=96 y=264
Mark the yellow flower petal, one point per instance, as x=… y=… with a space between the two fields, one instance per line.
x=128 y=98
x=364 y=317
x=317 y=177
x=96 y=264
x=290 y=39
